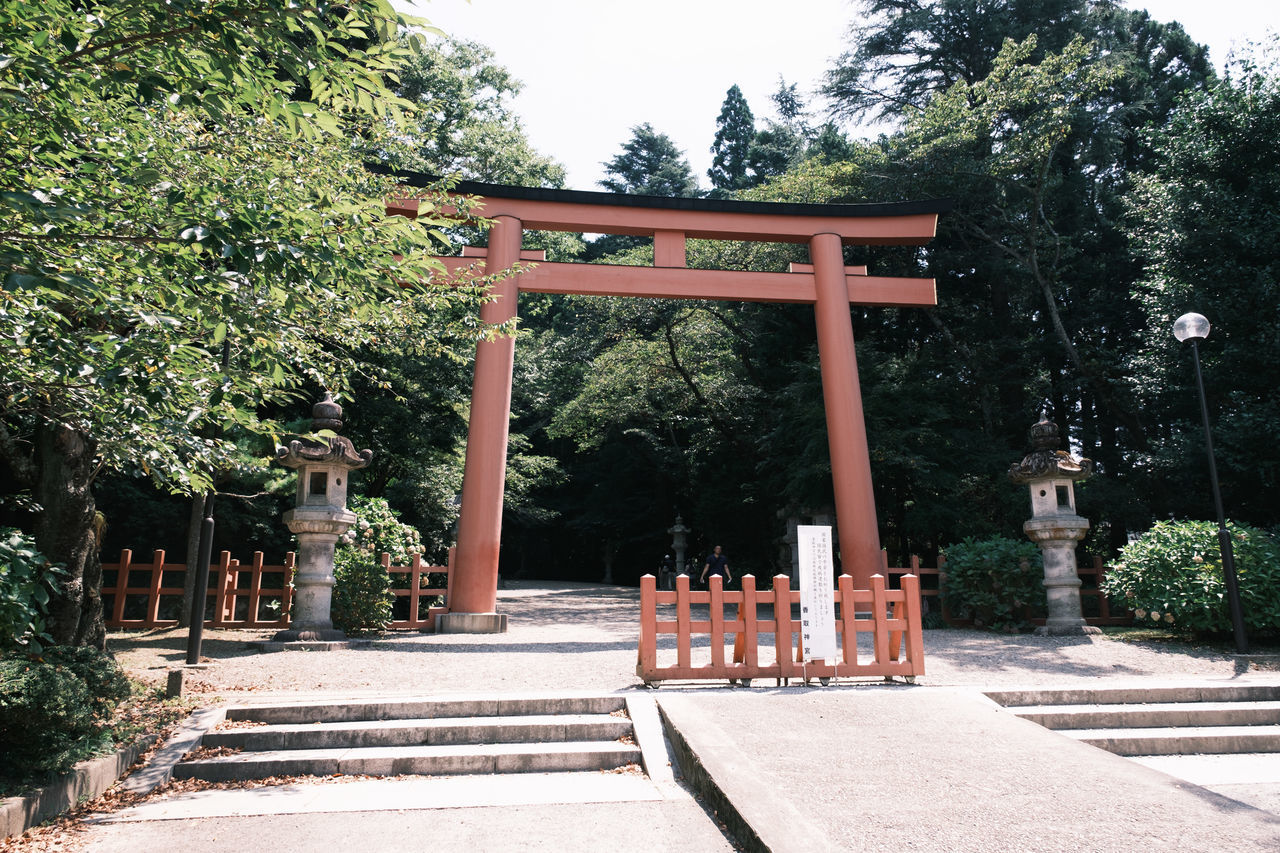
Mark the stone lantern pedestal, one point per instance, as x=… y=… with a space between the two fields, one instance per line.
x=1050 y=474
x=318 y=519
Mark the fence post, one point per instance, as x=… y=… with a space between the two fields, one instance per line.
x=898 y=611
x=1100 y=575
x=915 y=624
x=782 y=642
x=255 y=590
x=225 y=598
x=647 y=655
x=750 y=651
x=942 y=590
x=848 y=615
x=914 y=569
x=448 y=584
x=415 y=591
x=153 y=589
x=880 y=638
x=717 y=621
x=122 y=583
x=684 y=658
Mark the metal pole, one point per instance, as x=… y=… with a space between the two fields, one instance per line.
x=1224 y=537
x=195 y=622
x=195 y=631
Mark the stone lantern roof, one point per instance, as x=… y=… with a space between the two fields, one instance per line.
x=338 y=449
x=1046 y=461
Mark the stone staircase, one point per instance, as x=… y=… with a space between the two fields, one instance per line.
x=417 y=737
x=1166 y=721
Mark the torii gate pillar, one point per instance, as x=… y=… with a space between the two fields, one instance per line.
x=473 y=595
x=842 y=398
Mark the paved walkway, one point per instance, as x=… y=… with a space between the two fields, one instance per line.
x=855 y=766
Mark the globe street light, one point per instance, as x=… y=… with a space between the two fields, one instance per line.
x=1195 y=328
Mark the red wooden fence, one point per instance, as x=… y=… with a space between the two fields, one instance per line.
x=241 y=594
x=418 y=593
x=1094 y=602
x=891 y=617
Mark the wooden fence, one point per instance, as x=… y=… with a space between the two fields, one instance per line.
x=1093 y=601
x=890 y=619
x=140 y=595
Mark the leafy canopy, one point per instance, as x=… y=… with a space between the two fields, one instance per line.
x=187 y=229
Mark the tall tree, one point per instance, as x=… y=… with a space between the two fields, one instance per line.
x=1038 y=244
x=465 y=124
x=735 y=131
x=906 y=51
x=1204 y=222
x=780 y=144
x=650 y=164
x=185 y=242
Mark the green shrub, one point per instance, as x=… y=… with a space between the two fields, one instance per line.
x=52 y=708
x=26 y=581
x=107 y=683
x=994 y=581
x=1172 y=576
x=362 y=596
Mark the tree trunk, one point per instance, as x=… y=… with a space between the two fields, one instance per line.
x=66 y=532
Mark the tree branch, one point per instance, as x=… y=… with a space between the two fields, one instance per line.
x=138 y=40
x=716 y=421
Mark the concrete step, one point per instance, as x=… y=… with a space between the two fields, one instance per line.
x=1182 y=740
x=1241 y=768
x=426 y=709
x=415 y=760
x=438 y=731
x=1139 y=695
x=1155 y=715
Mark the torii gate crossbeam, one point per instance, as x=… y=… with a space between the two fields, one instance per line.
x=826 y=282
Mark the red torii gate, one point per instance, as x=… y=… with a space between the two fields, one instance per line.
x=825 y=282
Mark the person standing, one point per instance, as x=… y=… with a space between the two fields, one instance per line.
x=717 y=564
x=667 y=572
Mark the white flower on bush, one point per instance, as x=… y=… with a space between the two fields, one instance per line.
x=362 y=524
x=1168 y=617
x=1155 y=617
x=1140 y=613
x=1197 y=559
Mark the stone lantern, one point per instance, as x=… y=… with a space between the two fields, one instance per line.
x=1054 y=526
x=318 y=519
x=680 y=542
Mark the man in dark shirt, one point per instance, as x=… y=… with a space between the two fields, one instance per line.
x=717 y=564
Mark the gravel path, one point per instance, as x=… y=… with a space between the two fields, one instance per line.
x=566 y=636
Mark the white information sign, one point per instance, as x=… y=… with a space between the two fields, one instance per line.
x=817 y=603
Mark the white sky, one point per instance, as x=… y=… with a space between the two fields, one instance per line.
x=592 y=69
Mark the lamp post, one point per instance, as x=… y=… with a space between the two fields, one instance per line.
x=1195 y=328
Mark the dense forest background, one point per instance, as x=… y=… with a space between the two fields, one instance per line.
x=1105 y=180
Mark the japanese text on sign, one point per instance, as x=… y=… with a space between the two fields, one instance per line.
x=817 y=602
